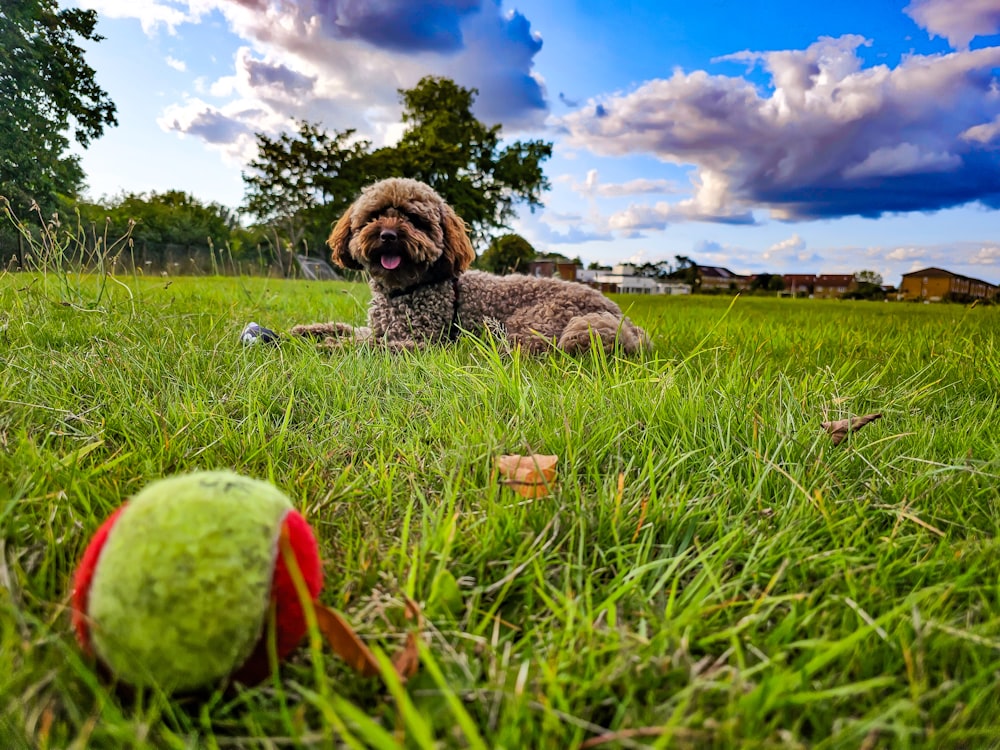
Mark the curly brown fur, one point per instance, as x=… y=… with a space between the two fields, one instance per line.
x=415 y=250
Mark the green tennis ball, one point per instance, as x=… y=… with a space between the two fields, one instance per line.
x=175 y=588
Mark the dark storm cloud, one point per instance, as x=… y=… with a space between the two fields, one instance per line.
x=497 y=60
x=399 y=25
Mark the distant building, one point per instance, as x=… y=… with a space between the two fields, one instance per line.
x=566 y=270
x=936 y=284
x=716 y=278
x=833 y=285
x=799 y=284
x=622 y=279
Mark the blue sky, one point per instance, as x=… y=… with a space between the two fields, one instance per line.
x=773 y=135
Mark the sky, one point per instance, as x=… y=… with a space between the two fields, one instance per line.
x=759 y=135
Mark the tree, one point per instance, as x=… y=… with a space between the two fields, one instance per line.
x=48 y=93
x=868 y=277
x=760 y=281
x=169 y=218
x=767 y=282
x=303 y=181
x=507 y=254
x=686 y=271
x=648 y=270
x=445 y=146
x=868 y=286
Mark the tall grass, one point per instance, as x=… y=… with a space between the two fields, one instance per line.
x=710 y=571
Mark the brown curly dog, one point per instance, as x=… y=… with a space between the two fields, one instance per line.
x=416 y=252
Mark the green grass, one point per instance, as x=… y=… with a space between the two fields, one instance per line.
x=710 y=570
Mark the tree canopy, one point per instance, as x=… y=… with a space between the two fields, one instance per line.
x=172 y=217
x=48 y=94
x=868 y=277
x=507 y=254
x=868 y=286
x=445 y=146
x=303 y=181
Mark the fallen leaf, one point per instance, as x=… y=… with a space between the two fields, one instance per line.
x=530 y=476
x=345 y=642
x=840 y=428
x=406 y=661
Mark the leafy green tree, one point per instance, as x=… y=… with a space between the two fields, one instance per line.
x=445 y=146
x=302 y=181
x=48 y=93
x=760 y=281
x=868 y=277
x=868 y=285
x=686 y=271
x=169 y=218
x=507 y=254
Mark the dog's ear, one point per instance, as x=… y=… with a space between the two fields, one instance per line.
x=339 y=242
x=456 y=240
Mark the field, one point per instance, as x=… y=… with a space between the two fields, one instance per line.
x=709 y=570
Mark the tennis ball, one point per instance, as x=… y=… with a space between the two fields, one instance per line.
x=176 y=587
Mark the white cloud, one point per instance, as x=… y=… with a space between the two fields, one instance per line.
x=958 y=21
x=151 y=14
x=987 y=255
x=342 y=63
x=793 y=244
x=789 y=253
x=229 y=129
x=591 y=186
x=953 y=256
x=904 y=253
x=178 y=65
x=556 y=229
x=809 y=147
x=709 y=203
x=985 y=133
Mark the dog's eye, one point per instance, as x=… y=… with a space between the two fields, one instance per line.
x=418 y=221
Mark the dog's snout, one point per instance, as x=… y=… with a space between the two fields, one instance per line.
x=388 y=235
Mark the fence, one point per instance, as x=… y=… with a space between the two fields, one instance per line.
x=163 y=259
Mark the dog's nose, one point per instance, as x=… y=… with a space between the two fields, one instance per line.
x=388 y=235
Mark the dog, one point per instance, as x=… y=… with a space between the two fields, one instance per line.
x=416 y=252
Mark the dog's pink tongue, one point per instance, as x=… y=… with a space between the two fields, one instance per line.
x=389 y=262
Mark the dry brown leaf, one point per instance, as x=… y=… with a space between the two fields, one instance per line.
x=530 y=476
x=840 y=428
x=406 y=661
x=345 y=641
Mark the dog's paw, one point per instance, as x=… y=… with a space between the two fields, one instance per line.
x=400 y=345
x=323 y=331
